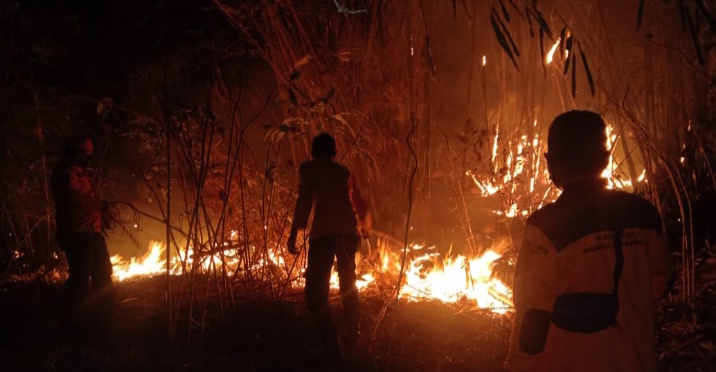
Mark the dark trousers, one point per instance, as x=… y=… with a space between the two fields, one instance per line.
x=89 y=265
x=321 y=253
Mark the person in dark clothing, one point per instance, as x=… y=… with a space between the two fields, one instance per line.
x=339 y=219
x=79 y=212
x=591 y=265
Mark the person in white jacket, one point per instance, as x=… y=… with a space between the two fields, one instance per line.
x=590 y=267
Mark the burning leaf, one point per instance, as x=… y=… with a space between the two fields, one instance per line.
x=302 y=62
x=340 y=118
x=344 y=56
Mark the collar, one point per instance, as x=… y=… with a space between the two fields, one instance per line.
x=587 y=185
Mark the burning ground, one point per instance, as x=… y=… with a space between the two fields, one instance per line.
x=256 y=333
x=203 y=110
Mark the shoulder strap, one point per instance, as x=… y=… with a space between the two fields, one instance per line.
x=619 y=258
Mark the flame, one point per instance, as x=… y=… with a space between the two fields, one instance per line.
x=151 y=263
x=550 y=55
x=426 y=275
x=516 y=174
x=520 y=177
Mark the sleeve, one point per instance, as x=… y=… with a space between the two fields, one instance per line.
x=304 y=202
x=81 y=190
x=360 y=205
x=535 y=288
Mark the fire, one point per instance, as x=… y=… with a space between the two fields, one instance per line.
x=458 y=278
x=550 y=55
x=151 y=263
x=426 y=276
x=516 y=176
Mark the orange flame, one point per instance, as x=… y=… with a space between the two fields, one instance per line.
x=427 y=274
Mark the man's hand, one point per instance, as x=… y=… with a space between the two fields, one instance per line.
x=291 y=244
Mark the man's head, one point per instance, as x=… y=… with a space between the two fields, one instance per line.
x=323 y=146
x=78 y=150
x=576 y=147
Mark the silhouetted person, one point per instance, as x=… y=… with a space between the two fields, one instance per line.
x=339 y=218
x=570 y=314
x=79 y=212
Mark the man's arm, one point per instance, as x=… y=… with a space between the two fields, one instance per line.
x=304 y=202
x=81 y=191
x=535 y=289
x=360 y=206
x=302 y=211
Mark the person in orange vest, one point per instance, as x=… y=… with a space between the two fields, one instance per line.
x=329 y=193
x=591 y=265
x=79 y=212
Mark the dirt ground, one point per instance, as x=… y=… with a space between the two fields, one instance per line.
x=259 y=334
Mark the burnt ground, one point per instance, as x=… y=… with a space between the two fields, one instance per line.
x=259 y=334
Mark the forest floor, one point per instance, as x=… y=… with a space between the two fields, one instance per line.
x=259 y=334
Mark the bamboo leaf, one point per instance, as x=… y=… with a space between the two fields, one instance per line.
x=570 y=57
x=566 y=64
x=586 y=70
x=509 y=37
x=562 y=39
x=694 y=36
x=512 y=2
x=574 y=77
x=542 y=23
x=541 y=50
x=707 y=14
x=504 y=11
x=292 y=96
x=529 y=19
x=683 y=11
x=639 y=14
x=329 y=95
x=697 y=20
x=501 y=38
